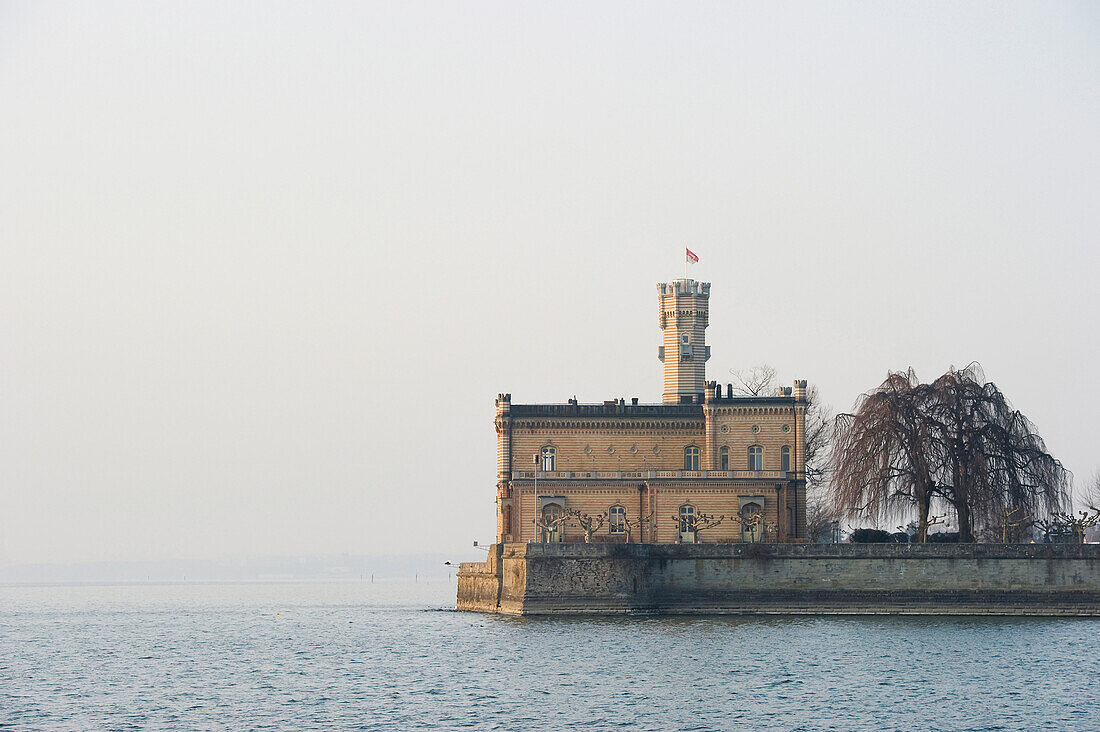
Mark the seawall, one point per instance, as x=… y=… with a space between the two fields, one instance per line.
x=979 y=579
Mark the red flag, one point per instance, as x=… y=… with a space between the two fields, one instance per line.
x=692 y=257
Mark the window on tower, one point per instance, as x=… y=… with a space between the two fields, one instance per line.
x=785 y=458
x=548 y=454
x=724 y=458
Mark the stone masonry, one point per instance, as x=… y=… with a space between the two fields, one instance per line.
x=967 y=579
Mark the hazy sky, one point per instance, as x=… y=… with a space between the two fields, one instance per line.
x=266 y=266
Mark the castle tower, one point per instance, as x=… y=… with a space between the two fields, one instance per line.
x=683 y=313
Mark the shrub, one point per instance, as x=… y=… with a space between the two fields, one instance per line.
x=870 y=536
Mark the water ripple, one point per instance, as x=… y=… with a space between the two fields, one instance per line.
x=378 y=657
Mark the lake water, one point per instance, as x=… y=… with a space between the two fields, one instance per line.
x=388 y=655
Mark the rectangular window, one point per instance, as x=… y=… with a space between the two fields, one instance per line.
x=691 y=458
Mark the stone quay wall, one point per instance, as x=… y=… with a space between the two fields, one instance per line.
x=965 y=579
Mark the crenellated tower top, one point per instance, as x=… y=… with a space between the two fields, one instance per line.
x=683 y=314
x=684 y=288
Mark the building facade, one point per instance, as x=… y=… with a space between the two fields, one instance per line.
x=698 y=467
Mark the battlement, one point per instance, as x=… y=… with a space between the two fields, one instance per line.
x=684 y=288
x=683 y=313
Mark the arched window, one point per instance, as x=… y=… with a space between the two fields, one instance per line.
x=687 y=518
x=752 y=522
x=616 y=522
x=548 y=458
x=785 y=458
x=724 y=458
x=756 y=458
x=691 y=458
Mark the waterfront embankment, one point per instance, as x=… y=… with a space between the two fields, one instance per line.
x=949 y=579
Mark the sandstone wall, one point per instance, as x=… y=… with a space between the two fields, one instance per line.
x=479 y=583
x=790 y=578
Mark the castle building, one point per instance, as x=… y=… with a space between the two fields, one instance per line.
x=657 y=473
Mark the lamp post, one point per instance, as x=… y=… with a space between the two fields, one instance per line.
x=535 y=513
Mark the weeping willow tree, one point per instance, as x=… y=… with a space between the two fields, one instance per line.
x=882 y=465
x=957 y=441
x=992 y=457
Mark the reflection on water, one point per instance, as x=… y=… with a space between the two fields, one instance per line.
x=389 y=656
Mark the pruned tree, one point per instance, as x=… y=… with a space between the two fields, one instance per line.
x=956 y=440
x=707 y=521
x=698 y=522
x=554 y=522
x=589 y=524
x=1014 y=524
x=751 y=522
x=629 y=526
x=1067 y=524
x=922 y=530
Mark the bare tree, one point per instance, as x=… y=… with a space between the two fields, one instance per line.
x=821 y=515
x=922 y=531
x=1066 y=524
x=552 y=523
x=629 y=526
x=881 y=453
x=990 y=455
x=1014 y=524
x=755 y=381
x=589 y=524
x=698 y=522
x=819 y=436
x=751 y=522
x=957 y=440
x=707 y=521
x=1091 y=495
